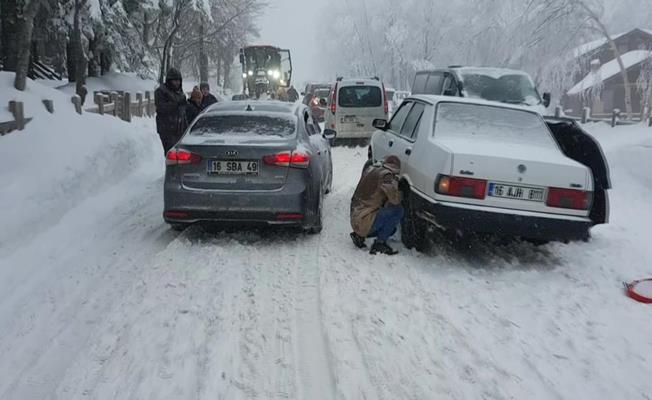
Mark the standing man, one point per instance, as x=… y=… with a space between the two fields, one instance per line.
x=376 y=209
x=208 y=98
x=170 y=109
x=293 y=95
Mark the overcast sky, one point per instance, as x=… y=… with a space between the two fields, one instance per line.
x=292 y=24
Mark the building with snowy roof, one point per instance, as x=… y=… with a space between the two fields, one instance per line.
x=598 y=83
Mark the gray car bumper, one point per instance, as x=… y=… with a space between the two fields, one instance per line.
x=284 y=206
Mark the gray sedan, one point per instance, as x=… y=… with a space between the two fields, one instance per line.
x=258 y=162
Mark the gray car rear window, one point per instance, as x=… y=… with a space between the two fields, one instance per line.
x=245 y=125
x=491 y=124
x=360 y=96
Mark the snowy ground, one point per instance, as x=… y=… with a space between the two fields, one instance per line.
x=100 y=300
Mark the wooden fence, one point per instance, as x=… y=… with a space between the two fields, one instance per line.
x=615 y=118
x=111 y=103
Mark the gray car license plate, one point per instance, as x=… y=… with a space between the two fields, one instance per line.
x=230 y=167
x=516 y=192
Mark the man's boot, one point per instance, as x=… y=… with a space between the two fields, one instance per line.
x=382 y=248
x=358 y=240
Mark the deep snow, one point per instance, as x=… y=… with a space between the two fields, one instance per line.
x=100 y=300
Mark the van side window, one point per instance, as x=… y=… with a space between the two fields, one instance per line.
x=409 y=129
x=450 y=86
x=419 y=86
x=435 y=83
x=396 y=124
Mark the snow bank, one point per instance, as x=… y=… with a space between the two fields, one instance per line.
x=62 y=158
x=127 y=82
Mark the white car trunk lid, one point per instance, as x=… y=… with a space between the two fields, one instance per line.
x=517 y=167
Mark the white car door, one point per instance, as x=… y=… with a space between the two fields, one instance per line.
x=383 y=141
x=404 y=143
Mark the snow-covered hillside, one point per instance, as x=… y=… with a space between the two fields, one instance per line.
x=100 y=300
x=61 y=159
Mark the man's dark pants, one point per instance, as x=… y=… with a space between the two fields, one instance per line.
x=386 y=222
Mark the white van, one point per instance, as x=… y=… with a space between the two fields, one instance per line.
x=353 y=106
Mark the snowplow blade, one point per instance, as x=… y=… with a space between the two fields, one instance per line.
x=578 y=145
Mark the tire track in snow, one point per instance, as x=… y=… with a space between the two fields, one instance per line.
x=314 y=366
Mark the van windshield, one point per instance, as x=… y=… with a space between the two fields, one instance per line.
x=492 y=124
x=360 y=97
x=508 y=88
x=245 y=125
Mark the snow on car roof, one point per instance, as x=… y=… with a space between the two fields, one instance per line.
x=354 y=81
x=255 y=105
x=610 y=69
x=434 y=100
x=487 y=71
x=492 y=72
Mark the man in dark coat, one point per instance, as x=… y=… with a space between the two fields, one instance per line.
x=170 y=109
x=376 y=209
x=208 y=98
x=293 y=95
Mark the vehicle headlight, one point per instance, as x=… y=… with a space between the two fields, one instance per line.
x=244 y=75
x=282 y=82
x=251 y=73
x=270 y=72
x=276 y=74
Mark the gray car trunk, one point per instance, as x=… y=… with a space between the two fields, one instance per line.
x=245 y=149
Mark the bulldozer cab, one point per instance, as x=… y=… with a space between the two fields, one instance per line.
x=265 y=69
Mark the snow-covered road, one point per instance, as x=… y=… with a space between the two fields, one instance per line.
x=106 y=302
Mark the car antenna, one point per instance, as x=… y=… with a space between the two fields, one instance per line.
x=249 y=108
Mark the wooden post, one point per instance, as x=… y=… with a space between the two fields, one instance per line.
x=99 y=100
x=49 y=105
x=126 y=107
x=100 y=104
x=114 y=99
x=76 y=100
x=559 y=111
x=139 y=100
x=586 y=114
x=148 y=100
x=614 y=117
x=17 y=108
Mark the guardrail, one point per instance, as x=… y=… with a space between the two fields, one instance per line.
x=615 y=118
x=111 y=103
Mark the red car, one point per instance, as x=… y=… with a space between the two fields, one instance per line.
x=316 y=97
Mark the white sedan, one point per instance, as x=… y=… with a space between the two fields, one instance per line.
x=471 y=166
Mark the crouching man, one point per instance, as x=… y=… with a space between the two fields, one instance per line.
x=376 y=208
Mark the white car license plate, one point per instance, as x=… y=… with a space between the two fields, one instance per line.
x=349 y=120
x=516 y=192
x=229 y=167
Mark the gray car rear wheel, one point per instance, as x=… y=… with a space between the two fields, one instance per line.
x=317 y=223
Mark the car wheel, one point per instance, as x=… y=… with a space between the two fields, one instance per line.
x=414 y=230
x=317 y=224
x=329 y=187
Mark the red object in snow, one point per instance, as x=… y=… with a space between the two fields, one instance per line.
x=640 y=291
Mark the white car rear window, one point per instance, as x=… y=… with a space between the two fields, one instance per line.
x=480 y=122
